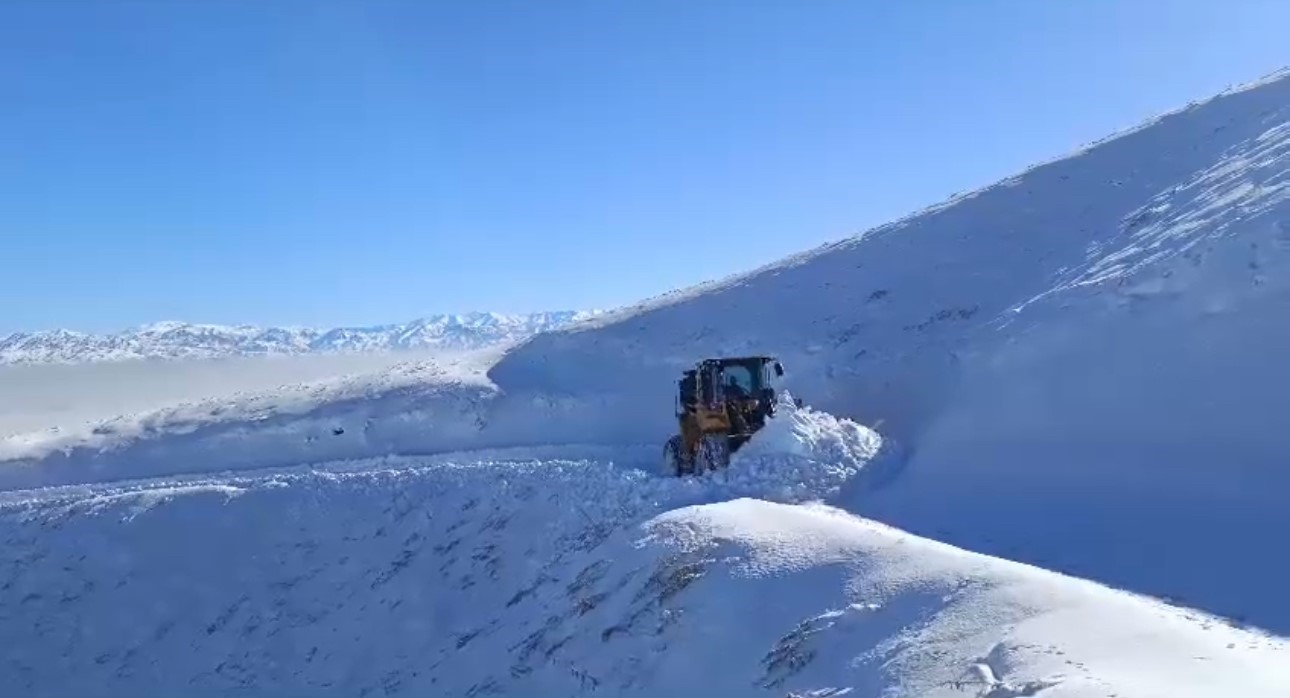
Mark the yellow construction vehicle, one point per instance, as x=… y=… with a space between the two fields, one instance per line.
x=720 y=404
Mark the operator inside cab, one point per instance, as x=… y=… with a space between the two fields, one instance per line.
x=735 y=401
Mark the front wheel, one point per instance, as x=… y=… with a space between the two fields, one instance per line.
x=714 y=453
x=673 y=463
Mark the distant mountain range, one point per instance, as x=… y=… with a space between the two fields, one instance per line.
x=180 y=340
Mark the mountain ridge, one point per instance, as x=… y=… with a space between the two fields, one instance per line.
x=190 y=340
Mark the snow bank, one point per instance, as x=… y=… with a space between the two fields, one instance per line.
x=865 y=608
x=1142 y=398
x=414 y=406
x=68 y=397
x=554 y=577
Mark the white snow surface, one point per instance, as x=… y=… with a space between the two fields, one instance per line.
x=1077 y=374
x=185 y=340
x=575 y=575
x=413 y=406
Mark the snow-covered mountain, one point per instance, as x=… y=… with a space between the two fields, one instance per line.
x=180 y=340
x=1044 y=456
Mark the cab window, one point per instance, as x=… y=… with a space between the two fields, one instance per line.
x=738 y=380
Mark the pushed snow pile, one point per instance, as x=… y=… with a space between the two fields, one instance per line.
x=801 y=454
x=433 y=577
x=802 y=433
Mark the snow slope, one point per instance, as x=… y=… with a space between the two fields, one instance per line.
x=880 y=325
x=566 y=576
x=1084 y=364
x=180 y=340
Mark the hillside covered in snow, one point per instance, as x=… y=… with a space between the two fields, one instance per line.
x=180 y=340
x=1084 y=365
x=1043 y=455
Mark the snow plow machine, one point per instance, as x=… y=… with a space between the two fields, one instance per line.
x=720 y=404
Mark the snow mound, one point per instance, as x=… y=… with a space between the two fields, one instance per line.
x=867 y=609
x=806 y=434
x=801 y=454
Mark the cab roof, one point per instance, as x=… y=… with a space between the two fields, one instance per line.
x=738 y=359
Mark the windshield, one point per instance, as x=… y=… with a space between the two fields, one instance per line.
x=739 y=380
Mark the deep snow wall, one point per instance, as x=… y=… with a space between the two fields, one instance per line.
x=1085 y=364
x=414 y=407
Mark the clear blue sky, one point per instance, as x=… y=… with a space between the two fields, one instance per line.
x=358 y=162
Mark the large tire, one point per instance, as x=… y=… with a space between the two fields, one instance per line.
x=673 y=463
x=714 y=453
